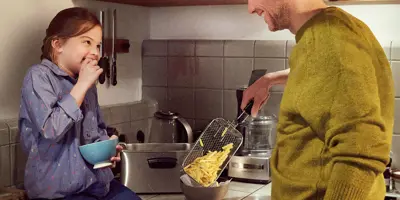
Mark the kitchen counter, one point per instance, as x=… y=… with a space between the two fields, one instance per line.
x=237 y=191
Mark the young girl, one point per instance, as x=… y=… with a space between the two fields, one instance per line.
x=59 y=112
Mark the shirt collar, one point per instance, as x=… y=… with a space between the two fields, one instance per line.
x=53 y=67
x=57 y=70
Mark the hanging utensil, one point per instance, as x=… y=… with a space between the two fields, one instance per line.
x=103 y=62
x=114 y=53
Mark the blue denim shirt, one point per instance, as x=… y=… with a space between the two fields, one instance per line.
x=52 y=128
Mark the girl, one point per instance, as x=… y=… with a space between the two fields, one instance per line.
x=59 y=112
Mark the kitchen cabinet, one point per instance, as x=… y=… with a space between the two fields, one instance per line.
x=162 y=3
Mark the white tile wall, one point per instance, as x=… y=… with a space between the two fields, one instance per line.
x=270 y=48
x=209 y=73
x=237 y=72
x=209 y=104
x=181 y=71
x=210 y=48
x=395 y=50
x=239 y=48
x=181 y=100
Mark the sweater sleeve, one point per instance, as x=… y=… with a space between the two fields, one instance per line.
x=344 y=109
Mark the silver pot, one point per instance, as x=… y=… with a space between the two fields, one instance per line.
x=153 y=167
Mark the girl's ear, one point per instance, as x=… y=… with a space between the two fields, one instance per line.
x=57 y=45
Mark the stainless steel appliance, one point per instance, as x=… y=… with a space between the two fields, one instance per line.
x=153 y=168
x=169 y=127
x=251 y=163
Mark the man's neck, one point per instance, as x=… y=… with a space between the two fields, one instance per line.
x=301 y=12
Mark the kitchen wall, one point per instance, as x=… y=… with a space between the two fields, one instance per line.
x=198 y=78
x=23 y=25
x=234 y=22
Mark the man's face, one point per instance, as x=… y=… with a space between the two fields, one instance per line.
x=275 y=12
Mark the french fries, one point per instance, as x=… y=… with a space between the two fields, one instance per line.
x=205 y=169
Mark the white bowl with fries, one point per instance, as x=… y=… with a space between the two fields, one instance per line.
x=198 y=192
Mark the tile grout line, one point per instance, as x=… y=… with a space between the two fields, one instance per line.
x=196 y=68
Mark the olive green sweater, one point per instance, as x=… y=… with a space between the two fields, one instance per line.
x=336 y=118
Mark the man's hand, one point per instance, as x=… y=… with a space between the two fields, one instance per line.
x=259 y=90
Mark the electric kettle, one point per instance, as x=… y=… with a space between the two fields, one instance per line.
x=170 y=127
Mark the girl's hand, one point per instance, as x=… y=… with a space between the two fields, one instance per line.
x=117 y=158
x=89 y=72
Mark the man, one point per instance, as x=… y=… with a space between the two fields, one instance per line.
x=336 y=115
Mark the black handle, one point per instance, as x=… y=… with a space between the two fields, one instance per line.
x=114 y=78
x=246 y=112
x=103 y=65
x=249 y=106
x=162 y=163
x=107 y=69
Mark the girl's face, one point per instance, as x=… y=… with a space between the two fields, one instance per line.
x=74 y=50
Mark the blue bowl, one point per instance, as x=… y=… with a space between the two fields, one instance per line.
x=99 y=153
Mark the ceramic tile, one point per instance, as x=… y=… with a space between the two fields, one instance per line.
x=120 y=114
x=209 y=72
x=158 y=94
x=181 y=100
x=239 y=48
x=123 y=128
x=106 y=114
x=230 y=104
x=136 y=126
x=5 y=166
x=270 y=48
x=209 y=104
x=287 y=66
x=18 y=161
x=396 y=151
x=396 y=127
x=209 y=48
x=154 y=71
x=181 y=48
x=386 y=45
x=395 y=50
x=154 y=48
x=245 y=187
x=14 y=131
x=200 y=124
x=237 y=72
x=181 y=72
x=396 y=77
x=140 y=110
x=289 y=47
x=4 y=134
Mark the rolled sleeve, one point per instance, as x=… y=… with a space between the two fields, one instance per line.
x=68 y=104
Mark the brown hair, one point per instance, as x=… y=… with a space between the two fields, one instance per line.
x=68 y=23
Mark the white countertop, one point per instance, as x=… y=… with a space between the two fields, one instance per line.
x=237 y=191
